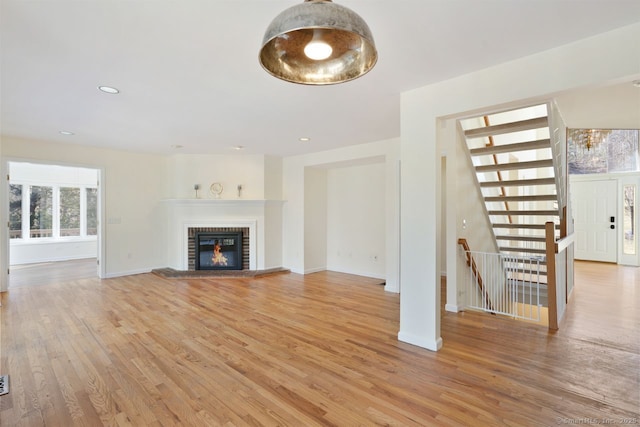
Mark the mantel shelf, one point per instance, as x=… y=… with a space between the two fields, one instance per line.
x=220 y=201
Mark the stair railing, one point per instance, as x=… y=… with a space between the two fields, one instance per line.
x=474 y=268
x=510 y=285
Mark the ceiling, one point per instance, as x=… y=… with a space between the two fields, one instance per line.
x=189 y=75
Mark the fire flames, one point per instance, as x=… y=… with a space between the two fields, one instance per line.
x=218 y=257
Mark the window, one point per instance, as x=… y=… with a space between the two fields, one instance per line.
x=69 y=211
x=41 y=211
x=52 y=211
x=92 y=211
x=603 y=151
x=15 y=211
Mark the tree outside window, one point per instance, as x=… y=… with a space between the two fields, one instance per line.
x=92 y=211
x=41 y=211
x=15 y=211
x=69 y=211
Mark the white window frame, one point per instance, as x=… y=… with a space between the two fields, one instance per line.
x=55 y=215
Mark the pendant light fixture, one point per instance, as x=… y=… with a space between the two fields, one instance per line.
x=318 y=43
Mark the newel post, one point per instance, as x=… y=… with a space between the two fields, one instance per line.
x=549 y=229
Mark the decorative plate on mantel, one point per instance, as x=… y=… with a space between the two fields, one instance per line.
x=216 y=190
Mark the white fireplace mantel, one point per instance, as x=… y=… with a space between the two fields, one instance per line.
x=257 y=215
x=219 y=202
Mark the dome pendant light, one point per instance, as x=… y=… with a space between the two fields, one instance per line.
x=318 y=43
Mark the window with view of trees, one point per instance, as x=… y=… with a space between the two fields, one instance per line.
x=69 y=211
x=92 y=211
x=15 y=211
x=43 y=211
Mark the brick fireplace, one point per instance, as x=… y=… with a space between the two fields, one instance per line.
x=192 y=232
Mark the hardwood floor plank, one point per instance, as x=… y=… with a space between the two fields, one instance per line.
x=312 y=350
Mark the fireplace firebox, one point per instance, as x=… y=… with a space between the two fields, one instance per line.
x=218 y=250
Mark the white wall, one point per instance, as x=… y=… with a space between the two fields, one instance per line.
x=272 y=236
x=315 y=220
x=272 y=178
x=186 y=170
x=37 y=173
x=49 y=251
x=294 y=193
x=356 y=233
x=561 y=69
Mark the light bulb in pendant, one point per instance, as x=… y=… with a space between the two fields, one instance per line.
x=317 y=50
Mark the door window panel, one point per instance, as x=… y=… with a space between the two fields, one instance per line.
x=629 y=220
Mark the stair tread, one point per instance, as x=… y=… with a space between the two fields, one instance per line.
x=533 y=164
x=511 y=148
x=523 y=250
x=523 y=226
x=522 y=238
x=519 y=183
x=535 y=198
x=525 y=212
x=537 y=123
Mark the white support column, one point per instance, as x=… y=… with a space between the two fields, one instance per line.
x=420 y=274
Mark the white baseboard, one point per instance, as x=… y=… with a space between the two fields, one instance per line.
x=433 y=345
x=314 y=270
x=392 y=288
x=453 y=308
x=357 y=273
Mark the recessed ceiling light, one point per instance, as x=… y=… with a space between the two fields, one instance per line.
x=66 y=132
x=238 y=147
x=636 y=83
x=177 y=146
x=109 y=89
x=304 y=139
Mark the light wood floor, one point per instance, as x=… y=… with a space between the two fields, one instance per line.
x=308 y=350
x=47 y=273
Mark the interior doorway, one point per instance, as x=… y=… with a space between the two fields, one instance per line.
x=54 y=222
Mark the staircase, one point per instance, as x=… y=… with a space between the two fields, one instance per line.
x=513 y=157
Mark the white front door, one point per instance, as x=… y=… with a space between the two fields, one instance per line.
x=596 y=224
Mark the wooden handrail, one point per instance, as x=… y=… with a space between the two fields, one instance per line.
x=474 y=268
